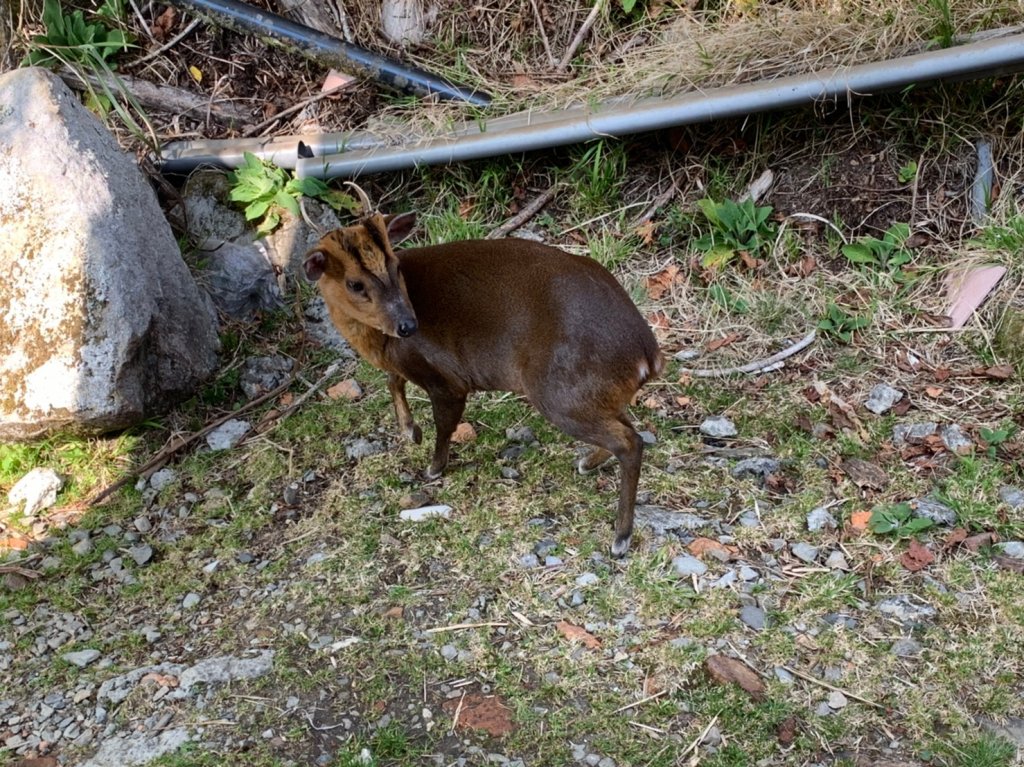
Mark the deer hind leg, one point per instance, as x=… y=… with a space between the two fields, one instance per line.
x=448 y=409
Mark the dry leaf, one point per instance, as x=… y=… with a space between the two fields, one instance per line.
x=933 y=391
x=477 y=711
x=577 y=634
x=954 y=539
x=786 y=733
x=164 y=24
x=683 y=401
x=659 y=284
x=980 y=541
x=999 y=372
x=13 y=543
x=1012 y=564
x=917 y=557
x=286 y=399
x=726 y=670
x=717 y=343
x=659 y=322
x=646 y=233
x=466 y=207
x=197 y=73
x=160 y=680
x=859 y=520
x=464 y=433
x=700 y=547
x=865 y=474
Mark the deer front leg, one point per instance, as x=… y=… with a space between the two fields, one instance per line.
x=406 y=425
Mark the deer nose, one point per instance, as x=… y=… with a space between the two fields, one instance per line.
x=406 y=328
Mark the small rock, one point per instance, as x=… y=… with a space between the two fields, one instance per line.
x=906 y=648
x=263 y=374
x=805 y=552
x=836 y=561
x=426 y=512
x=686 y=565
x=449 y=652
x=290 y=495
x=823 y=709
x=955 y=440
x=544 y=547
x=712 y=737
x=529 y=560
x=936 y=511
x=748 y=574
x=211 y=567
x=1012 y=496
x=37 y=490
x=725 y=581
x=522 y=434
x=552 y=561
x=912 y=433
x=836 y=700
x=1013 y=549
x=662 y=521
x=784 y=676
x=753 y=616
x=81 y=658
x=162 y=479
x=821 y=519
x=718 y=426
x=191 y=600
x=908 y=609
x=141 y=554
x=587 y=579
x=142 y=524
x=758 y=468
x=749 y=518
x=882 y=398
x=245 y=558
x=227 y=435
x=507 y=472
x=648 y=437
x=83 y=547
x=363 y=448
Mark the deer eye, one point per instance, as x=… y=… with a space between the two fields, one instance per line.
x=356 y=286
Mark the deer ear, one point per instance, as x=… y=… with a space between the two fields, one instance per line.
x=400 y=226
x=314 y=265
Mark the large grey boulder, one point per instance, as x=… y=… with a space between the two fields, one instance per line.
x=100 y=320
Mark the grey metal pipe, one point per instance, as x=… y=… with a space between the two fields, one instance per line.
x=974 y=60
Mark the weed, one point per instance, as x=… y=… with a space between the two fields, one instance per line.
x=597 y=174
x=72 y=38
x=907 y=173
x=841 y=325
x=735 y=228
x=888 y=254
x=985 y=751
x=1007 y=237
x=267 y=191
x=995 y=437
x=898 y=519
x=731 y=303
x=943 y=30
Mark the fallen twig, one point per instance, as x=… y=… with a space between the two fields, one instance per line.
x=639 y=702
x=253 y=130
x=529 y=211
x=827 y=686
x=465 y=626
x=277 y=417
x=22 y=571
x=177 y=444
x=757 y=365
x=543 y=33
x=662 y=199
x=166 y=98
x=580 y=36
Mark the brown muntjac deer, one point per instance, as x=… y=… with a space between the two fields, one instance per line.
x=486 y=315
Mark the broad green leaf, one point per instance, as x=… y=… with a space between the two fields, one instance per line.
x=717 y=257
x=859 y=253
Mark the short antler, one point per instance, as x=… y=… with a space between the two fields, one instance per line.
x=364 y=199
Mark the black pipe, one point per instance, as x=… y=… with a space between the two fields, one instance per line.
x=246 y=19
